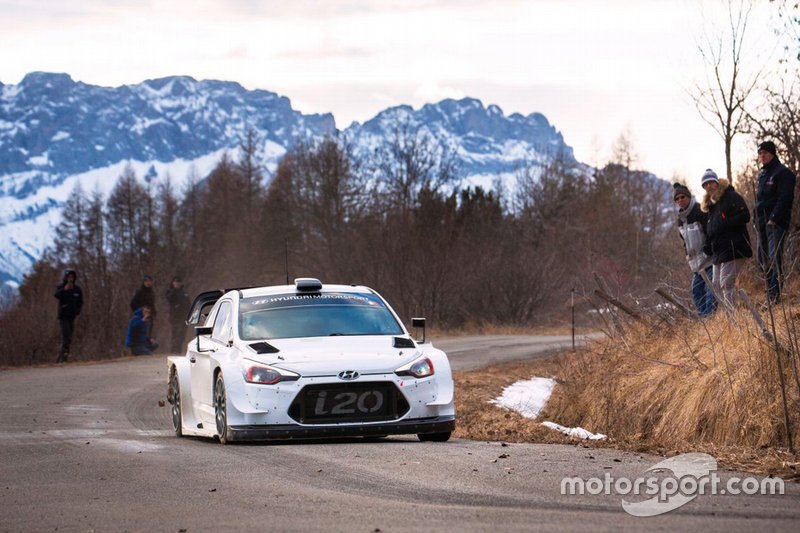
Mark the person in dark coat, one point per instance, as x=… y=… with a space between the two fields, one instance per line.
x=70 y=302
x=139 y=330
x=773 y=211
x=145 y=295
x=692 y=229
x=728 y=240
x=179 y=304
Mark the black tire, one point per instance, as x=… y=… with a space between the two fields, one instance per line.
x=221 y=410
x=434 y=437
x=174 y=397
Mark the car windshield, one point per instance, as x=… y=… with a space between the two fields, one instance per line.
x=283 y=316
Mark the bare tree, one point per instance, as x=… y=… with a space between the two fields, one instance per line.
x=721 y=96
x=779 y=120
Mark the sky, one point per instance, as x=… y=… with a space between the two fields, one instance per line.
x=594 y=68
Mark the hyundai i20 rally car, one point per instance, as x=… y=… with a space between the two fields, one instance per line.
x=307 y=361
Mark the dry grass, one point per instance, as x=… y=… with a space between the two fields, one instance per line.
x=666 y=388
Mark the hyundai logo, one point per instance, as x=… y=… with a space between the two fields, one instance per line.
x=348 y=375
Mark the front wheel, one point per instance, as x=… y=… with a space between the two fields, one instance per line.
x=174 y=397
x=434 y=437
x=221 y=410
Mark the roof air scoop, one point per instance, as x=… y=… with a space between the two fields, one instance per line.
x=308 y=284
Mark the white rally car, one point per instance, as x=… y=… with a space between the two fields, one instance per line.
x=307 y=361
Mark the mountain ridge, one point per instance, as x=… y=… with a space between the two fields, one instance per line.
x=56 y=132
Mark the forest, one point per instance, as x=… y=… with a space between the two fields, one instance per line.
x=399 y=221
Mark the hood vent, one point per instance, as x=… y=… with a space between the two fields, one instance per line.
x=264 y=347
x=402 y=342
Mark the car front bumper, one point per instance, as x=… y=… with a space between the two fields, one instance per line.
x=437 y=424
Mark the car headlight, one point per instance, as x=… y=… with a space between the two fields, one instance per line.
x=421 y=368
x=266 y=375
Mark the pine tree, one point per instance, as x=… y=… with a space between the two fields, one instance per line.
x=128 y=224
x=70 y=239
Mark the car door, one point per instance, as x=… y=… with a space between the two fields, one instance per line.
x=201 y=360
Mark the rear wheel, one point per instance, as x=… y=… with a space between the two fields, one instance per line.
x=174 y=397
x=434 y=437
x=221 y=410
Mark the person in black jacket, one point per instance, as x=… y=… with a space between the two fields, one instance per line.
x=70 y=302
x=772 y=213
x=179 y=304
x=728 y=240
x=692 y=229
x=144 y=295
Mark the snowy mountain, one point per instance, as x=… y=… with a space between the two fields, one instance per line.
x=56 y=132
x=486 y=142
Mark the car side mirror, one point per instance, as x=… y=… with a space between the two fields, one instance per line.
x=200 y=331
x=418 y=323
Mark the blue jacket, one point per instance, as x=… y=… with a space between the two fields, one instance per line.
x=138 y=330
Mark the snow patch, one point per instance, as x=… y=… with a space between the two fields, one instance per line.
x=579 y=433
x=529 y=397
x=39 y=160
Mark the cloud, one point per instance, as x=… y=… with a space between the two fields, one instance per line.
x=433 y=91
x=240 y=52
x=325 y=51
x=314 y=9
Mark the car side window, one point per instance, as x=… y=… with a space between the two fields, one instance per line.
x=220 y=323
x=204 y=312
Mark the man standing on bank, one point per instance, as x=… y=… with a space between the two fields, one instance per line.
x=179 y=304
x=773 y=212
x=692 y=228
x=70 y=302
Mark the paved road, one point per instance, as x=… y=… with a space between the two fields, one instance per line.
x=468 y=353
x=88 y=448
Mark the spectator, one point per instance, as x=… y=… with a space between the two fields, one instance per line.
x=772 y=213
x=144 y=295
x=179 y=304
x=70 y=302
x=728 y=241
x=692 y=229
x=139 y=329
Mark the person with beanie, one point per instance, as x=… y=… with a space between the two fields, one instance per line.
x=692 y=230
x=773 y=211
x=70 y=303
x=728 y=241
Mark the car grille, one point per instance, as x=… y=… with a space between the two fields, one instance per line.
x=330 y=403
